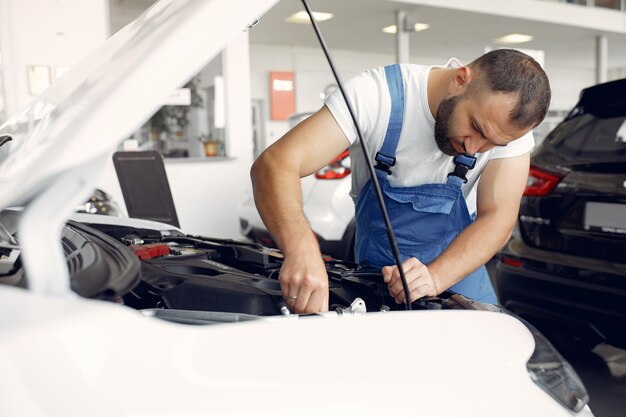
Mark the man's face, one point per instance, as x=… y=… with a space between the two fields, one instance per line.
x=475 y=124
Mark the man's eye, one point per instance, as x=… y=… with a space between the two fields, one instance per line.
x=475 y=126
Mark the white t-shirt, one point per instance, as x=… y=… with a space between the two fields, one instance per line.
x=418 y=159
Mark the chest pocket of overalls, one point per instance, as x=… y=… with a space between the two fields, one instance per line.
x=426 y=218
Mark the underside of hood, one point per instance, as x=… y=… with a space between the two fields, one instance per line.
x=105 y=97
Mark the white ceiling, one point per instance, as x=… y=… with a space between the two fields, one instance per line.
x=357 y=26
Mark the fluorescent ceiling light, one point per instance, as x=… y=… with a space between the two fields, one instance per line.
x=303 y=17
x=513 y=38
x=416 y=28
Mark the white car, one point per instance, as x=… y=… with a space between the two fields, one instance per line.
x=328 y=208
x=89 y=329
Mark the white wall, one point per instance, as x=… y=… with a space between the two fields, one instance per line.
x=566 y=83
x=312 y=74
x=42 y=32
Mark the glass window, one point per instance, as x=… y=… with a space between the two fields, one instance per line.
x=587 y=137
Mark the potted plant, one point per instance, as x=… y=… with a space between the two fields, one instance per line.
x=210 y=145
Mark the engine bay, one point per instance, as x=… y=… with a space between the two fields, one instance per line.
x=204 y=274
x=212 y=280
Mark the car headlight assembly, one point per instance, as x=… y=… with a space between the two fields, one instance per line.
x=548 y=369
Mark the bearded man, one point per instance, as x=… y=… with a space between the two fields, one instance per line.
x=451 y=147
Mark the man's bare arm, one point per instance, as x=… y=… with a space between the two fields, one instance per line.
x=500 y=189
x=278 y=196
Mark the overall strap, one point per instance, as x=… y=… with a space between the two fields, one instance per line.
x=386 y=157
x=462 y=164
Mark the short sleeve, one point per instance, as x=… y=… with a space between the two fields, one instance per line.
x=518 y=147
x=367 y=99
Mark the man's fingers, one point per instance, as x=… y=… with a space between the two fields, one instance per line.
x=413 y=285
x=398 y=289
x=304 y=294
x=311 y=295
x=412 y=271
x=419 y=281
x=300 y=280
x=318 y=301
x=425 y=288
x=391 y=274
x=387 y=272
x=289 y=290
x=423 y=291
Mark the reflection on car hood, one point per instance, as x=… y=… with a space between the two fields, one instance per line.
x=104 y=98
x=263 y=368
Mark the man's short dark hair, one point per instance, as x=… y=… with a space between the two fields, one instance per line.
x=511 y=71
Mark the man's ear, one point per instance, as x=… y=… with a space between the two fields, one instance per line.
x=460 y=80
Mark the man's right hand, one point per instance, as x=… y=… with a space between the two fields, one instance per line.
x=304 y=283
x=276 y=174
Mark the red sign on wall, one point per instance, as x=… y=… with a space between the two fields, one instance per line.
x=282 y=95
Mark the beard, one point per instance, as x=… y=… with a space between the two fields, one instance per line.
x=442 y=125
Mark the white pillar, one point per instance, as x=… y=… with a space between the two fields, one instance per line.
x=602 y=59
x=7 y=53
x=402 y=38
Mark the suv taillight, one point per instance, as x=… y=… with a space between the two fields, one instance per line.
x=540 y=182
x=337 y=169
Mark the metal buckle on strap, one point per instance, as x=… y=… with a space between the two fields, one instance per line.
x=460 y=171
x=384 y=162
x=462 y=164
x=466 y=160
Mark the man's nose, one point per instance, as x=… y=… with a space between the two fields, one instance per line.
x=474 y=144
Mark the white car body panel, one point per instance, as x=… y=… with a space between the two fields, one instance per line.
x=165 y=229
x=329 y=208
x=326 y=203
x=75 y=357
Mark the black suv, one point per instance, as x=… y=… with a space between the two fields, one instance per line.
x=565 y=271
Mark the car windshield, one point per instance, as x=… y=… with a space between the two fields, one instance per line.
x=591 y=139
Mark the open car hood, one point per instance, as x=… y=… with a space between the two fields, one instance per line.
x=104 y=98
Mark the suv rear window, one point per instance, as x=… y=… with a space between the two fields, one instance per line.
x=589 y=138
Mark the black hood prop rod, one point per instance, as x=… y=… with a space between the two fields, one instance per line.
x=390 y=234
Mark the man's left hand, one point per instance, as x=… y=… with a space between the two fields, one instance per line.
x=420 y=281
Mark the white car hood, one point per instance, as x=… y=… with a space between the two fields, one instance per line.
x=110 y=360
x=104 y=98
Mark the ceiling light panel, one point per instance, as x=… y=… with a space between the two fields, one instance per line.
x=513 y=38
x=416 y=28
x=303 y=17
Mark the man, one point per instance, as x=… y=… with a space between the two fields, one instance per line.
x=422 y=125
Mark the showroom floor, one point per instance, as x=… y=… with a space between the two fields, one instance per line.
x=605 y=379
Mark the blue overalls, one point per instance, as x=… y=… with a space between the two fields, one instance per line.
x=425 y=218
